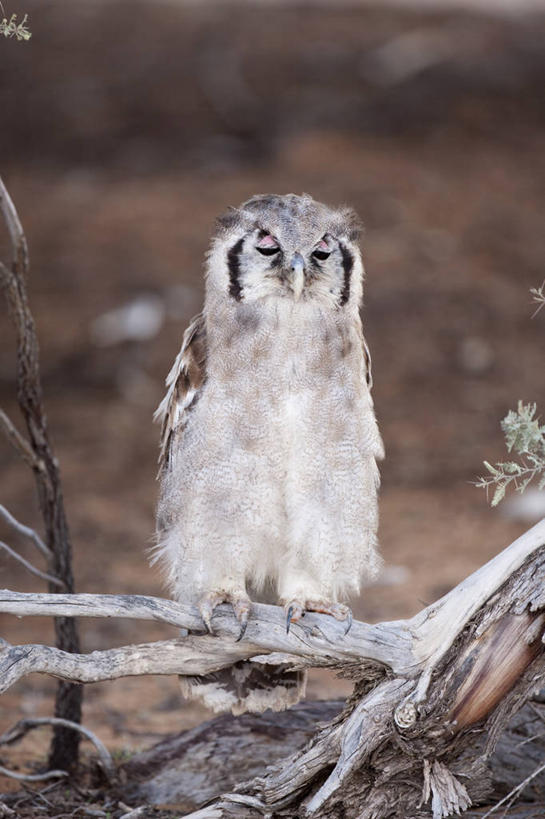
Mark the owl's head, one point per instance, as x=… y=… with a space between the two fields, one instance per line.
x=288 y=247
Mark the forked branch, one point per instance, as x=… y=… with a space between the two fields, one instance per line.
x=409 y=648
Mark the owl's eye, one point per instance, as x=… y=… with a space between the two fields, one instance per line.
x=267 y=246
x=322 y=251
x=268 y=251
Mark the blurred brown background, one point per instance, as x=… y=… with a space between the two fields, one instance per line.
x=126 y=127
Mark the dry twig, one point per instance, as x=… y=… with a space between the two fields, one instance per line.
x=40 y=777
x=18 y=441
x=512 y=795
x=54 y=581
x=21 y=728
x=24 y=530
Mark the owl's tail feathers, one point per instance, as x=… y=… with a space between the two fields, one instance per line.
x=247 y=686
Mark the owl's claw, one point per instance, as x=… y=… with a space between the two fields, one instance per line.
x=288 y=619
x=241 y=607
x=206 y=607
x=294 y=613
x=295 y=610
x=242 y=613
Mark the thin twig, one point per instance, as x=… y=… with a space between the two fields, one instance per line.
x=538 y=294
x=15 y=228
x=32 y=569
x=516 y=791
x=25 y=725
x=32 y=777
x=24 y=530
x=18 y=441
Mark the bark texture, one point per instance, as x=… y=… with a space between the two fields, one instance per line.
x=193 y=767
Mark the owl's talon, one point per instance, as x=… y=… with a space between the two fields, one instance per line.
x=243 y=620
x=207 y=611
x=288 y=619
x=296 y=610
x=294 y=613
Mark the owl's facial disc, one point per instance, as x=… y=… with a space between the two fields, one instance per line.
x=289 y=264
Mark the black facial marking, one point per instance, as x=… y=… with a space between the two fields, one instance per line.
x=348 y=264
x=233 y=263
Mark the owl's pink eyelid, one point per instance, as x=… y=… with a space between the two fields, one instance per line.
x=267 y=241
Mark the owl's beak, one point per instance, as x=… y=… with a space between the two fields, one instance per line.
x=297 y=275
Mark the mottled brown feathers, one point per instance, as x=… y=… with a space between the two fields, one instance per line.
x=184 y=382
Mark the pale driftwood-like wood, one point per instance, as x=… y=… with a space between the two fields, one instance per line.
x=432 y=694
x=177 y=769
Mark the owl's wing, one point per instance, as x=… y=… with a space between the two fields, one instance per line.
x=367 y=359
x=377 y=445
x=184 y=382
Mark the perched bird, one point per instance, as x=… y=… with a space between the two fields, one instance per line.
x=269 y=439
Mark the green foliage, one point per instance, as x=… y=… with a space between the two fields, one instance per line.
x=11 y=28
x=523 y=435
x=526 y=437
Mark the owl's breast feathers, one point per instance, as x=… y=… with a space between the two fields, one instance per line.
x=306 y=355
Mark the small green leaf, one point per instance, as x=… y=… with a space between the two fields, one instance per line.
x=491 y=469
x=498 y=494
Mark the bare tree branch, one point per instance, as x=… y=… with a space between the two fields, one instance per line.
x=21 y=729
x=410 y=648
x=15 y=229
x=18 y=441
x=512 y=795
x=192 y=655
x=24 y=530
x=54 y=581
x=32 y=777
x=317 y=640
x=64 y=747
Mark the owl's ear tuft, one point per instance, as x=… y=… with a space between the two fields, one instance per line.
x=351 y=223
x=228 y=220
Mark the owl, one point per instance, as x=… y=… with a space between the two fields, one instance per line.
x=269 y=448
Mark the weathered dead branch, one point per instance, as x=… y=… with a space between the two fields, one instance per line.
x=21 y=729
x=37 y=453
x=432 y=694
x=177 y=769
x=30 y=567
x=24 y=530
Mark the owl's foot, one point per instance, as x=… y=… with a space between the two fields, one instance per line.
x=296 y=609
x=241 y=607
